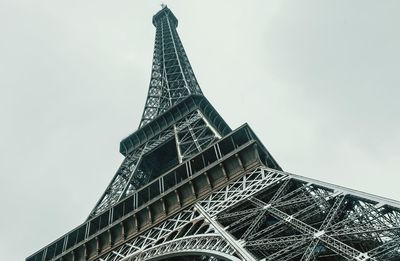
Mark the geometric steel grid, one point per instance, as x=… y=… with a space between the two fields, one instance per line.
x=273 y=215
x=189 y=188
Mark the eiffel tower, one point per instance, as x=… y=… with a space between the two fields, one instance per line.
x=190 y=188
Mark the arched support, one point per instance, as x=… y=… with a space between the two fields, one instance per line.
x=208 y=245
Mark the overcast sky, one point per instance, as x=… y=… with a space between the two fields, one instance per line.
x=318 y=81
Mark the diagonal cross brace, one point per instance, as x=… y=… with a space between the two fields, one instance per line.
x=334 y=244
x=241 y=251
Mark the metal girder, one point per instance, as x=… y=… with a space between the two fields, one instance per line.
x=279 y=226
x=255 y=225
x=243 y=222
x=289 y=252
x=386 y=248
x=236 y=214
x=308 y=221
x=332 y=243
x=239 y=249
x=282 y=188
x=277 y=242
x=311 y=251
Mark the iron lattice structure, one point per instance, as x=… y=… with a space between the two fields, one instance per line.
x=172 y=77
x=190 y=188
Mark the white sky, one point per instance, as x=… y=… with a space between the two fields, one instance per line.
x=318 y=81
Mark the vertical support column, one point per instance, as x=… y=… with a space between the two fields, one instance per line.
x=177 y=56
x=165 y=75
x=194 y=138
x=178 y=148
x=214 y=130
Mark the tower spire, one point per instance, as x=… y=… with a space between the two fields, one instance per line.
x=172 y=78
x=176 y=113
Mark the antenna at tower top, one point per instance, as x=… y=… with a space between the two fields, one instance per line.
x=163 y=6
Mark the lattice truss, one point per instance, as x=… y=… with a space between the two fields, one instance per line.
x=172 y=77
x=191 y=135
x=295 y=220
x=271 y=215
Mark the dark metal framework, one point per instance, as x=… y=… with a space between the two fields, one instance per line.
x=172 y=77
x=190 y=188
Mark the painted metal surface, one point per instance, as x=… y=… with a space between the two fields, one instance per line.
x=190 y=186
